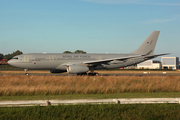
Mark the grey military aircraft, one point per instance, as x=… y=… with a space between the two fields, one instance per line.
x=85 y=64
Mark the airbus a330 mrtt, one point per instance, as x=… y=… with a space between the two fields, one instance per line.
x=83 y=64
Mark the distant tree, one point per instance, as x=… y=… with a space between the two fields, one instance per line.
x=67 y=52
x=77 y=51
x=10 y=56
x=1 y=56
x=18 y=52
x=7 y=57
x=80 y=51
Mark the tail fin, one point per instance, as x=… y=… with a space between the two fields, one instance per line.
x=148 y=46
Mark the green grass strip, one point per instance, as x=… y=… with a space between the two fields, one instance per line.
x=93 y=96
x=90 y=112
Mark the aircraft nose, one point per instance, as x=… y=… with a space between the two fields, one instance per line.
x=9 y=62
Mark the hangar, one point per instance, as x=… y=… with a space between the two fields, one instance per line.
x=149 y=64
x=170 y=62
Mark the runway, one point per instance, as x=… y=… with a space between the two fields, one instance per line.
x=101 y=73
x=89 y=101
x=83 y=75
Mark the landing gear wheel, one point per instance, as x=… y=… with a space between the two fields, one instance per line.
x=80 y=74
x=97 y=73
x=93 y=74
x=27 y=74
x=26 y=70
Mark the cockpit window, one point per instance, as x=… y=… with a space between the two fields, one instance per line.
x=15 y=58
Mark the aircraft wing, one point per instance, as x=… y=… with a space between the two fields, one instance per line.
x=105 y=61
x=153 y=56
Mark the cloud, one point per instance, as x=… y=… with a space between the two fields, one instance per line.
x=177 y=15
x=160 y=20
x=145 y=2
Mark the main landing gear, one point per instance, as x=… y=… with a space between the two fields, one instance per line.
x=80 y=74
x=92 y=73
x=26 y=70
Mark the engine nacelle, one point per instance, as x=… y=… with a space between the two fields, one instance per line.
x=57 y=71
x=77 y=69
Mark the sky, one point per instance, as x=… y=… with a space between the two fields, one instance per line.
x=94 y=26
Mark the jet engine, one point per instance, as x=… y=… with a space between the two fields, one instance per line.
x=77 y=69
x=56 y=71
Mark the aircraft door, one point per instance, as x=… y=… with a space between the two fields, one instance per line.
x=26 y=58
x=51 y=58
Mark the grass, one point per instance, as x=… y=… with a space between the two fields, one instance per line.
x=92 y=96
x=90 y=87
x=108 y=112
x=61 y=85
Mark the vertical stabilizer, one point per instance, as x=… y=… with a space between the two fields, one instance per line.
x=148 y=46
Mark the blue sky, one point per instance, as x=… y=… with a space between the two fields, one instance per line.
x=94 y=26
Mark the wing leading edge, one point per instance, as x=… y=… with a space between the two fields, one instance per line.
x=105 y=61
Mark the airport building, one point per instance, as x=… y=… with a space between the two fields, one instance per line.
x=149 y=64
x=170 y=62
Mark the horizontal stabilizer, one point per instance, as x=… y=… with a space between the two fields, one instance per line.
x=153 y=56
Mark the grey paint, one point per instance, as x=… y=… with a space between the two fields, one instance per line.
x=148 y=46
x=61 y=62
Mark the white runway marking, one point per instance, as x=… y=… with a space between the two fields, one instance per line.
x=88 y=101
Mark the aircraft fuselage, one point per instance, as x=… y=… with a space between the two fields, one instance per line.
x=82 y=63
x=60 y=61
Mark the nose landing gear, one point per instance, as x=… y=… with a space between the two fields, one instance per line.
x=26 y=70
